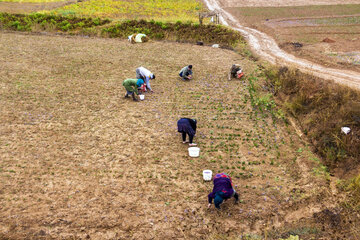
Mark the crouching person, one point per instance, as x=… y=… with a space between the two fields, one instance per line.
x=235 y=72
x=187 y=126
x=131 y=86
x=186 y=72
x=223 y=190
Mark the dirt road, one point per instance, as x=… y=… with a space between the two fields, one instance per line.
x=266 y=47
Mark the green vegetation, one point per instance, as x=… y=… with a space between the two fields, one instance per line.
x=322 y=109
x=161 y=10
x=38 y=21
x=175 y=31
x=178 y=31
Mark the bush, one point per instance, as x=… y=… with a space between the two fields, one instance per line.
x=22 y=22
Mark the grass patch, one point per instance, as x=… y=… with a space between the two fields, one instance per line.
x=175 y=31
x=162 y=10
x=354 y=189
x=38 y=21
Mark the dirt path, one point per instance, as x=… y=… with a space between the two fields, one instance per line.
x=267 y=48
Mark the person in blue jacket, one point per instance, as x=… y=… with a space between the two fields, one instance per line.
x=223 y=190
x=187 y=126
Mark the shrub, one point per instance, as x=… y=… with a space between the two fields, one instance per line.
x=321 y=108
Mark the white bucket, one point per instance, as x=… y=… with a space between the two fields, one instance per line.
x=345 y=130
x=194 y=151
x=207 y=175
x=142 y=97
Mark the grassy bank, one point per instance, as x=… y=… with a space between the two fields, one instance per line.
x=322 y=108
x=183 y=32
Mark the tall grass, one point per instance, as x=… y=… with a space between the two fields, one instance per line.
x=354 y=188
x=321 y=108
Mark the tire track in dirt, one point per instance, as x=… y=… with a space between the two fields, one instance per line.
x=267 y=49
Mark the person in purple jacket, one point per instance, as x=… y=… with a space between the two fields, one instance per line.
x=223 y=190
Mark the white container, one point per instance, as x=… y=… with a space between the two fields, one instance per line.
x=207 y=175
x=142 y=97
x=194 y=151
x=345 y=130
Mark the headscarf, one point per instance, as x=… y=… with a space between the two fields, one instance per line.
x=139 y=82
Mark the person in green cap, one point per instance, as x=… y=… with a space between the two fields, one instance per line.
x=131 y=86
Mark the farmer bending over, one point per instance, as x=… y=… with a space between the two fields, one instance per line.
x=223 y=190
x=146 y=75
x=186 y=72
x=187 y=126
x=131 y=86
x=235 y=72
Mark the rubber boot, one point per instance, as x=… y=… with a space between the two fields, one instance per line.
x=134 y=98
x=236 y=196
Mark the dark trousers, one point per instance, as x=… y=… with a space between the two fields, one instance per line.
x=236 y=196
x=184 y=137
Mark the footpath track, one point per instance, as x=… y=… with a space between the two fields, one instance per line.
x=266 y=47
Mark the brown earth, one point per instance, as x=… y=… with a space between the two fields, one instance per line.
x=80 y=161
x=23 y=7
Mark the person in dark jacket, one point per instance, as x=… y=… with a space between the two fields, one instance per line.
x=223 y=190
x=186 y=72
x=187 y=126
x=235 y=72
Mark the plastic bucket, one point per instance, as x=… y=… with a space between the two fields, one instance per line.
x=194 y=151
x=207 y=175
x=142 y=97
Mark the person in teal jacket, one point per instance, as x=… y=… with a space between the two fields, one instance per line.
x=131 y=86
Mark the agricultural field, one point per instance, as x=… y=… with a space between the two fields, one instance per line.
x=163 y=10
x=324 y=34
x=29 y=6
x=80 y=161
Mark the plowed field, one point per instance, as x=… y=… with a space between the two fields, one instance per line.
x=80 y=161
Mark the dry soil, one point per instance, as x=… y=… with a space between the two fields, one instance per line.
x=80 y=161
